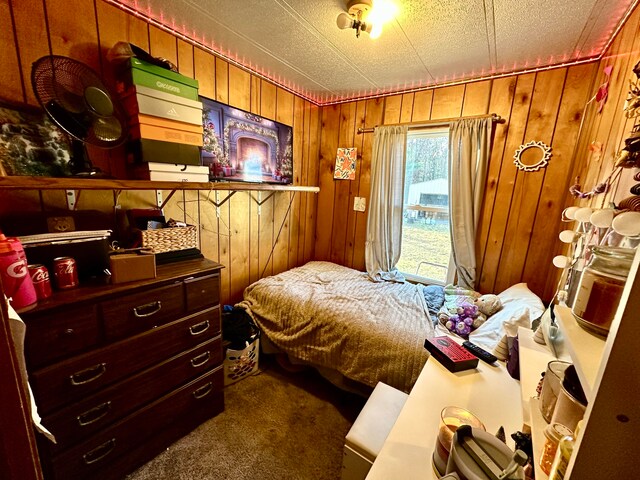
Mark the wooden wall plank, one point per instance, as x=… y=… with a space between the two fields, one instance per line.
x=284 y=106
x=330 y=128
x=298 y=138
x=526 y=193
x=374 y=116
x=239 y=245
x=33 y=41
x=392 y=110
x=422 y=106
x=304 y=180
x=74 y=35
x=185 y=59
x=163 y=44
x=501 y=102
x=239 y=88
x=222 y=81
x=255 y=94
x=312 y=179
x=10 y=75
x=406 y=110
x=341 y=205
x=354 y=185
x=476 y=98
x=265 y=234
x=204 y=66
x=224 y=245
x=447 y=102
x=281 y=221
x=268 y=100
x=504 y=191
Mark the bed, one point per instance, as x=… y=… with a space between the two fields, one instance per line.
x=353 y=330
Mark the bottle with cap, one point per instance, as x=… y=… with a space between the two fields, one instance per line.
x=563 y=454
x=16 y=281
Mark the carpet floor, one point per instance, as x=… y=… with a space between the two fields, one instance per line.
x=276 y=425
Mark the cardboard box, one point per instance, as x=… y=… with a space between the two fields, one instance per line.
x=139 y=72
x=156 y=104
x=129 y=267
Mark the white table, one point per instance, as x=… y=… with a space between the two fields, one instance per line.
x=488 y=392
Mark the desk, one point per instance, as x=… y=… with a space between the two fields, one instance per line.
x=488 y=392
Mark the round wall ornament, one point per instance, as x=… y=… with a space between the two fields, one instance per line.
x=532 y=156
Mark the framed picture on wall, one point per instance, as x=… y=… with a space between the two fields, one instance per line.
x=240 y=146
x=30 y=144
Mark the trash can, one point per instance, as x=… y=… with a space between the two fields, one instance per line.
x=242 y=340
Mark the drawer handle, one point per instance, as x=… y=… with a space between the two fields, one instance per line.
x=200 y=359
x=93 y=415
x=100 y=452
x=88 y=375
x=199 y=328
x=156 y=306
x=203 y=391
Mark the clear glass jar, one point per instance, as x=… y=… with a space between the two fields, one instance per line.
x=553 y=433
x=600 y=288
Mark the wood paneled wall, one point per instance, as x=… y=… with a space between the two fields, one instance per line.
x=520 y=219
x=251 y=241
x=609 y=128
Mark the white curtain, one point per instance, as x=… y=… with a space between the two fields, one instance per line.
x=469 y=150
x=384 y=224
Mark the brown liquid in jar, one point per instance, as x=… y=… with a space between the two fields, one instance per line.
x=603 y=301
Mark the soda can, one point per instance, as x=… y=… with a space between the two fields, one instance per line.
x=65 y=272
x=41 y=282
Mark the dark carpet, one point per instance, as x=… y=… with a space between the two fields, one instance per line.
x=276 y=425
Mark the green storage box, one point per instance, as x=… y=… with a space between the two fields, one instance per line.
x=139 y=72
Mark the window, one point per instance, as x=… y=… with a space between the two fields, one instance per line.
x=426 y=239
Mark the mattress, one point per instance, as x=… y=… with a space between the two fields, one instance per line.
x=335 y=317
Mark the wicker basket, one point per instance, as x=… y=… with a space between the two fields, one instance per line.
x=170 y=239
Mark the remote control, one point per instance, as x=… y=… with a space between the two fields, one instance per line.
x=479 y=352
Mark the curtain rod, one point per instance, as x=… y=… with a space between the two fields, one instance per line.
x=437 y=123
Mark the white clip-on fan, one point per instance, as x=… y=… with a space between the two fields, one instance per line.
x=75 y=98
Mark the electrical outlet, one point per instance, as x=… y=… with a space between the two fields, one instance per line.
x=359 y=204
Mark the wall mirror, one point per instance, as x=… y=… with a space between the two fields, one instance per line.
x=532 y=156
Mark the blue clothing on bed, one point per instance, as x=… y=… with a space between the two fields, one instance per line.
x=434 y=296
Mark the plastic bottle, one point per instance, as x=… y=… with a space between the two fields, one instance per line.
x=16 y=281
x=563 y=454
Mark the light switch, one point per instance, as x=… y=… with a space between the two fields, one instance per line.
x=359 y=204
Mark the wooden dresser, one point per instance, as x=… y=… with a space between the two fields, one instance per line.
x=120 y=372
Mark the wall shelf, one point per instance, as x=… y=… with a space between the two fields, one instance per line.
x=586 y=349
x=47 y=183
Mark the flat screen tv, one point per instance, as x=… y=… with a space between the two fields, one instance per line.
x=240 y=146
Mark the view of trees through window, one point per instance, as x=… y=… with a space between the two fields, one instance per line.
x=426 y=241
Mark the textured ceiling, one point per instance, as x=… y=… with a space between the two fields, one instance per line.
x=297 y=44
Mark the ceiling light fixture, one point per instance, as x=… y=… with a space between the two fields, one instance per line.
x=366 y=16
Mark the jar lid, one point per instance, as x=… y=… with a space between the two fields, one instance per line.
x=555 y=431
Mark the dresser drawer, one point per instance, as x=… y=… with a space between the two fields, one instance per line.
x=140 y=311
x=73 y=379
x=86 y=417
x=54 y=335
x=202 y=292
x=106 y=454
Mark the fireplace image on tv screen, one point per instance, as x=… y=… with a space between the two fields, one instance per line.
x=243 y=147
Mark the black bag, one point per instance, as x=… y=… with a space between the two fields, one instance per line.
x=238 y=327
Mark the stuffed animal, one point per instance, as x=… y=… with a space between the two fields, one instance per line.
x=488 y=304
x=462 y=322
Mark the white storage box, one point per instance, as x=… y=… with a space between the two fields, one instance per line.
x=239 y=364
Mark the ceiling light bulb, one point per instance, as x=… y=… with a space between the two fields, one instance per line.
x=344 y=21
x=374 y=30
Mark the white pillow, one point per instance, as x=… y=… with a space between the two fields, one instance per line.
x=520 y=307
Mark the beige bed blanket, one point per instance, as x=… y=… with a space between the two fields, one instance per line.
x=335 y=317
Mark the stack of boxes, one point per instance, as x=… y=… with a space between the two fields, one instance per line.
x=165 y=120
